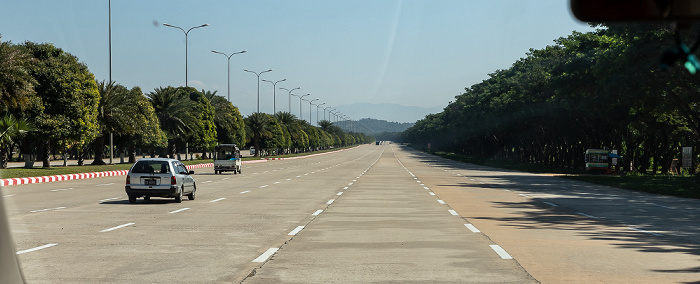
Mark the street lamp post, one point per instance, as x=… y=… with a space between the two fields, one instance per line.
x=274 y=94
x=290 y=98
x=301 y=98
x=186 y=33
x=228 y=58
x=324 y=113
x=258 y=74
x=310 y=103
x=317 y=107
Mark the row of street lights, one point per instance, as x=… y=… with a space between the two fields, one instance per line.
x=336 y=113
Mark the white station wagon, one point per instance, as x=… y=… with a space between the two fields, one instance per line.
x=159 y=177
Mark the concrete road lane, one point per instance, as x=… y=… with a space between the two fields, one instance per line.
x=89 y=233
x=386 y=228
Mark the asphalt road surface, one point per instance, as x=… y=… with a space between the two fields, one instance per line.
x=381 y=214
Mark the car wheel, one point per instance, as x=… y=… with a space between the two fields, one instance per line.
x=132 y=199
x=191 y=195
x=178 y=198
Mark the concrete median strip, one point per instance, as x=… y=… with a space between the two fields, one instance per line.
x=55 y=178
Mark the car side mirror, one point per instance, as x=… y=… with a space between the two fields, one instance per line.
x=190 y=172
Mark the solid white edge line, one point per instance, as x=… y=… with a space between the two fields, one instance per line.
x=501 y=252
x=217 y=200
x=117 y=227
x=267 y=254
x=178 y=210
x=454 y=213
x=317 y=212
x=36 y=248
x=472 y=228
x=296 y=231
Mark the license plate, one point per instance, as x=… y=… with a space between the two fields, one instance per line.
x=150 y=182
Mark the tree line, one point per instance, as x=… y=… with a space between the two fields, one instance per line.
x=604 y=89
x=50 y=103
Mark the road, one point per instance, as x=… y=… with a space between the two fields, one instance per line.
x=381 y=214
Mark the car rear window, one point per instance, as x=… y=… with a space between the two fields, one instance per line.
x=151 y=167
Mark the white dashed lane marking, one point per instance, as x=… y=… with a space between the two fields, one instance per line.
x=296 y=231
x=501 y=252
x=178 y=210
x=36 y=248
x=472 y=228
x=267 y=254
x=117 y=227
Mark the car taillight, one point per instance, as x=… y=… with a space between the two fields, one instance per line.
x=128 y=179
x=173 y=180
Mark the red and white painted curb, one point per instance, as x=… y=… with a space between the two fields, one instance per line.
x=30 y=180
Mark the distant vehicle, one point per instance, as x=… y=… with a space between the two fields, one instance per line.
x=252 y=151
x=159 y=177
x=377 y=142
x=601 y=161
x=228 y=159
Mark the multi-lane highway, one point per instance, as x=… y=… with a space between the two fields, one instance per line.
x=369 y=214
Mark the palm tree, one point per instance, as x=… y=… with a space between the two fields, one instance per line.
x=325 y=125
x=117 y=114
x=291 y=125
x=173 y=110
x=257 y=126
x=11 y=128
x=16 y=84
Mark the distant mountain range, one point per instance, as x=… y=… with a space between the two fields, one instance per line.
x=388 y=112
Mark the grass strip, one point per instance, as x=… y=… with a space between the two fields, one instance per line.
x=61 y=170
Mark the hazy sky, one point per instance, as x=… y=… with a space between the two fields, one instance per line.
x=412 y=52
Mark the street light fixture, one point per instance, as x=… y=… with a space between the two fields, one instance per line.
x=274 y=94
x=228 y=58
x=301 y=98
x=324 y=112
x=290 y=97
x=310 y=103
x=258 y=74
x=317 y=107
x=186 y=33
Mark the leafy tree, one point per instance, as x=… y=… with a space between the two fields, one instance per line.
x=66 y=100
x=202 y=128
x=230 y=127
x=16 y=82
x=144 y=130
